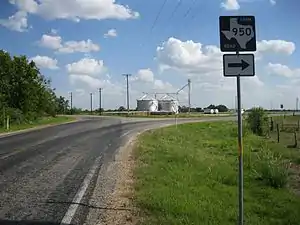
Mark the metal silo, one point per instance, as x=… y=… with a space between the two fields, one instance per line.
x=168 y=105
x=147 y=105
x=165 y=105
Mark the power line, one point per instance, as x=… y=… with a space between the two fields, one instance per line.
x=190 y=9
x=175 y=10
x=158 y=15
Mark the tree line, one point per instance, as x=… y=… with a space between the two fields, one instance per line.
x=26 y=94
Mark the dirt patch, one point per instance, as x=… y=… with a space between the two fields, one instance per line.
x=121 y=198
x=294 y=181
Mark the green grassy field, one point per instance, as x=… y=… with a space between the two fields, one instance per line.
x=188 y=176
x=41 y=122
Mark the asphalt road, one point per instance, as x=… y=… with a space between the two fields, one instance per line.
x=45 y=174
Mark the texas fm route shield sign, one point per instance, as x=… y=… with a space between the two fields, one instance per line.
x=237 y=33
x=238 y=65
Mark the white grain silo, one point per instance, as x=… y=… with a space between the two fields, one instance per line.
x=167 y=104
x=145 y=104
x=216 y=111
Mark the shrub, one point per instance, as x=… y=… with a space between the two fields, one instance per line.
x=271 y=169
x=257 y=121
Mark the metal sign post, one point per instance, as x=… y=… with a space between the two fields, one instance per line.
x=240 y=148
x=237 y=33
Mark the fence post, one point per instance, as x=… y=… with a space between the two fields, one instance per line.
x=278 y=132
x=4 y=120
x=7 y=123
x=295 y=136
x=272 y=124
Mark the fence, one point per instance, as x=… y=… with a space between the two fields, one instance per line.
x=285 y=130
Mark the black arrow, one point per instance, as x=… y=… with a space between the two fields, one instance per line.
x=243 y=64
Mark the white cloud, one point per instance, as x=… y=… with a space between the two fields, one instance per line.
x=52 y=42
x=86 y=66
x=87 y=75
x=283 y=70
x=79 y=46
x=230 y=5
x=76 y=10
x=80 y=92
x=16 y=22
x=92 y=82
x=45 y=62
x=161 y=85
x=111 y=33
x=145 y=75
x=56 y=43
x=189 y=56
x=29 y=6
x=273 y=2
x=276 y=46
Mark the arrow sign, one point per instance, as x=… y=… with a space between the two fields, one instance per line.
x=242 y=64
x=238 y=65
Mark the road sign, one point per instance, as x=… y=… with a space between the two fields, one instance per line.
x=237 y=33
x=238 y=65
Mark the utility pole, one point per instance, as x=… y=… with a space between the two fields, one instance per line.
x=100 y=102
x=189 y=85
x=271 y=104
x=127 y=75
x=71 y=100
x=297 y=104
x=91 y=102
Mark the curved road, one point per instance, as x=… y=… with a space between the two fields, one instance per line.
x=45 y=174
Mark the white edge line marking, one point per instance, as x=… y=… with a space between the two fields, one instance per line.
x=125 y=133
x=67 y=219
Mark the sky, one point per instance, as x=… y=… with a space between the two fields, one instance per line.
x=84 y=45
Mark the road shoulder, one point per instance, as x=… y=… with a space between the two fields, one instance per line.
x=113 y=190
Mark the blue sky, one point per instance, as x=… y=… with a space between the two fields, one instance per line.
x=182 y=44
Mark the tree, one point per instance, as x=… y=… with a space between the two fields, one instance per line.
x=199 y=109
x=257 y=121
x=211 y=106
x=121 y=108
x=222 y=108
x=25 y=94
x=184 y=109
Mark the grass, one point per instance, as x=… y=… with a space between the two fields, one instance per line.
x=188 y=175
x=40 y=122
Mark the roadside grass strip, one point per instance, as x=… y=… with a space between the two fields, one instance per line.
x=189 y=176
x=37 y=123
